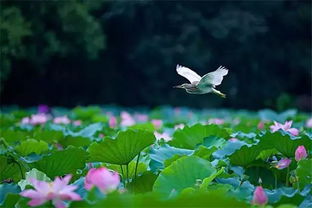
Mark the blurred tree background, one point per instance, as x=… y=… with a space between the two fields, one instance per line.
x=69 y=53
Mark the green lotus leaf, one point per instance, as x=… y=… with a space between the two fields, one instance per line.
x=62 y=162
x=245 y=155
x=122 y=149
x=32 y=146
x=204 y=152
x=304 y=172
x=284 y=143
x=190 y=137
x=10 y=169
x=75 y=141
x=12 y=136
x=143 y=183
x=6 y=189
x=33 y=173
x=211 y=199
x=183 y=173
x=48 y=135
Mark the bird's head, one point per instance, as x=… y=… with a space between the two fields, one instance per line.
x=183 y=86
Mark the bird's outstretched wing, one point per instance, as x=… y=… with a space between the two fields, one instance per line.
x=188 y=74
x=214 y=78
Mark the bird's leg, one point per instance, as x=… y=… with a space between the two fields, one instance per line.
x=179 y=86
x=218 y=93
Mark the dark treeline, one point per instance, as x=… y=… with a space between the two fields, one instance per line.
x=69 y=53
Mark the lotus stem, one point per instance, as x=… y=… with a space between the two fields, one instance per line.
x=123 y=175
x=136 y=166
x=127 y=166
x=20 y=168
x=287 y=176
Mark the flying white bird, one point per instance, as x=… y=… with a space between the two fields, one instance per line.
x=202 y=85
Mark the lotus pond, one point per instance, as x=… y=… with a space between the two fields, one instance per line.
x=165 y=157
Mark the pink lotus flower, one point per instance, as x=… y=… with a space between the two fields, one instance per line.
x=43 y=108
x=179 y=126
x=35 y=119
x=157 y=123
x=141 y=117
x=261 y=125
x=77 y=123
x=300 y=153
x=39 y=119
x=259 y=196
x=233 y=139
x=103 y=179
x=285 y=127
x=25 y=120
x=57 y=191
x=61 y=120
x=126 y=119
x=309 y=123
x=216 y=121
x=101 y=135
x=283 y=163
x=112 y=122
x=164 y=136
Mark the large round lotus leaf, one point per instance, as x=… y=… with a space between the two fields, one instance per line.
x=283 y=143
x=304 y=172
x=245 y=155
x=122 y=149
x=190 y=137
x=62 y=162
x=32 y=146
x=183 y=173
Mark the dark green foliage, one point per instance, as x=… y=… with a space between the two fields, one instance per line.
x=266 y=46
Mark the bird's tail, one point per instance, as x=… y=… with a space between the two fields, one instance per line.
x=219 y=93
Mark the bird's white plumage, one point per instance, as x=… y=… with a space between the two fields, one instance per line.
x=188 y=74
x=214 y=78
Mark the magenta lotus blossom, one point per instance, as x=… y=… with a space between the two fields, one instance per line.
x=216 y=121
x=103 y=179
x=77 y=123
x=25 y=120
x=259 y=196
x=61 y=120
x=39 y=119
x=126 y=119
x=35 y=119
x=112 y=122
x=141 y=117
x=283 y=163
x=58 y=191
x=43 y=108
x=285 y=127
x=164 y=136
x=101 y=135
x=300 y=153
x=309 y=123
x=260 y=125
x=157 y=123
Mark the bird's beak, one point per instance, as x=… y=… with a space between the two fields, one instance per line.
x=179 y=86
